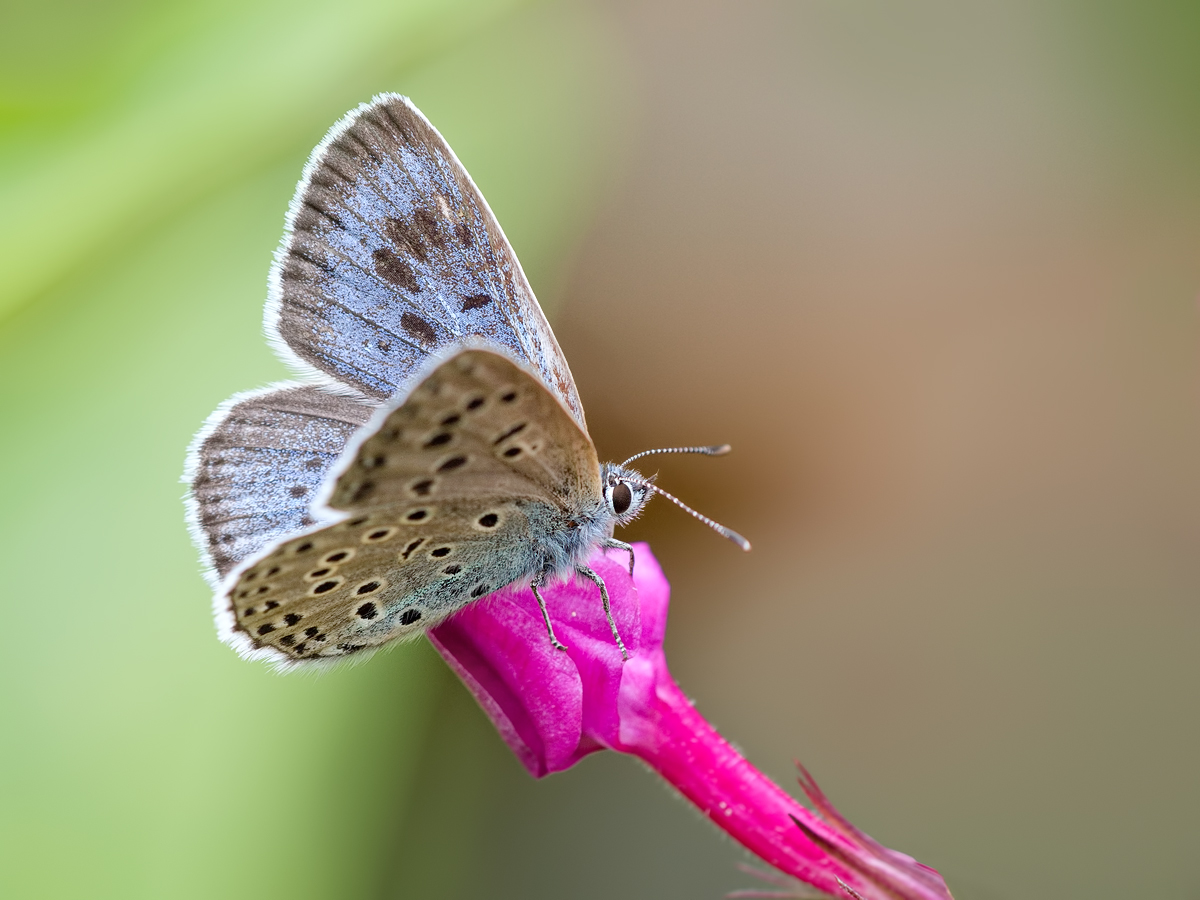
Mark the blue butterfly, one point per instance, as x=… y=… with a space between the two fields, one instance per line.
x=436 y=450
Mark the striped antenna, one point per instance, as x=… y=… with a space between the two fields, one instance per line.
x=717 y=450
x=715 y=526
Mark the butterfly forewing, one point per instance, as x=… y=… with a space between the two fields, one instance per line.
x=478 y=425
x=443 y=495
x=255 y=470
x=392 y=253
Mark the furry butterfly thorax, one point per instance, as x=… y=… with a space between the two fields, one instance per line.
x=436 y=451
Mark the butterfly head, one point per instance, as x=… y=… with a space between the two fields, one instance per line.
x=625 y=492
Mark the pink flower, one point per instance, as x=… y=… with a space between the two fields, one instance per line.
x=554 y=707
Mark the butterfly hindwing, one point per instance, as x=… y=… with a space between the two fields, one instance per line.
x=255 y=469
x=374 y=578
x=391 y=253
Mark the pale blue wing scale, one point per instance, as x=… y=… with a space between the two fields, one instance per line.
x=255 y=468
x=391 y=253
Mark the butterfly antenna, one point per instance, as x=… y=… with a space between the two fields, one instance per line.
x=715 y=526
x=716 y=450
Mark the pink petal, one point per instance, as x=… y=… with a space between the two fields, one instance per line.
x=551 y=707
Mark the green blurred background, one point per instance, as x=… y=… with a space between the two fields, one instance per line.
x=932 y=268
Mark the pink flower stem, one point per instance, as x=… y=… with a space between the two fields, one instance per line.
x=675 y=740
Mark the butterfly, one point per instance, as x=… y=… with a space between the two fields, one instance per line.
x=436 y=450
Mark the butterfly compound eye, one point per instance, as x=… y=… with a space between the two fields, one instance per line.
x=622 y=496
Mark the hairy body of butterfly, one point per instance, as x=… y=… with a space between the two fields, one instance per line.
x=439 y=452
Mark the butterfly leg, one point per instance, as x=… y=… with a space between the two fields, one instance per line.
x=599 y=582
x=614 y=544
x=537 y=583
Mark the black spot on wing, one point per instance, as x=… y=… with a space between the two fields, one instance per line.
x=405 y=238
x=516 y=429
x=427 y=224
x=418 y=327
x=393 y=269
x=476 y=301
